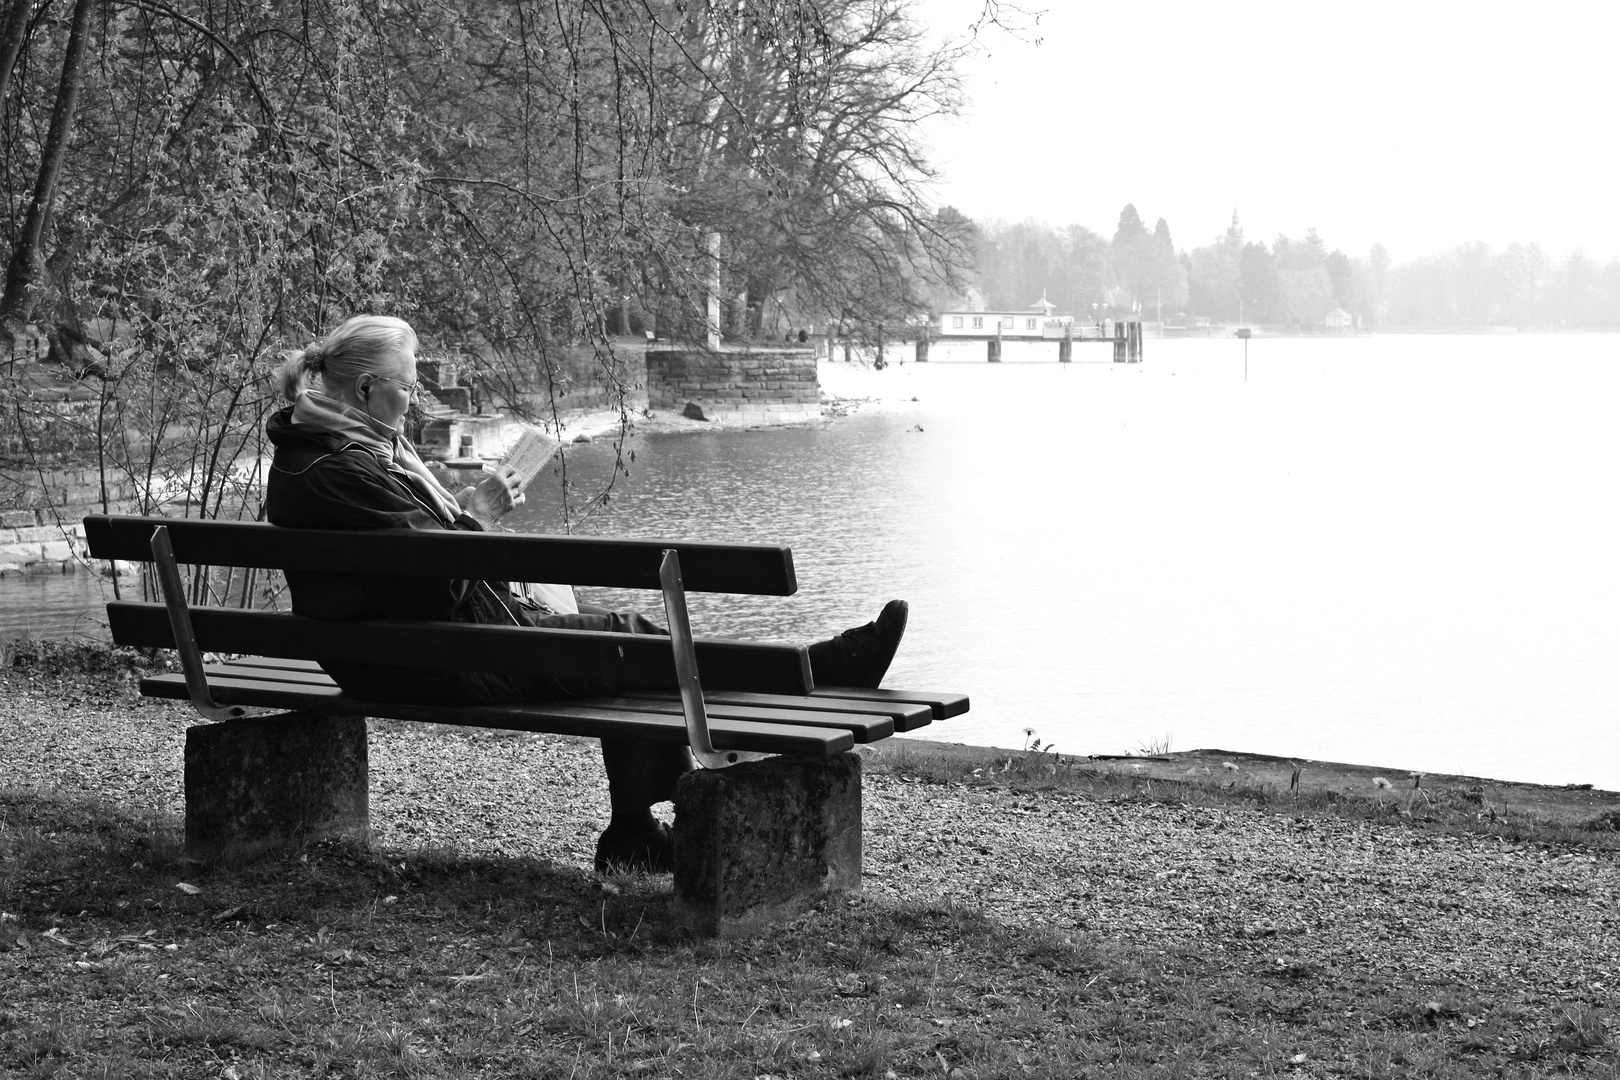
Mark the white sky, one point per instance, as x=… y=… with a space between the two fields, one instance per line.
x=1418 y=124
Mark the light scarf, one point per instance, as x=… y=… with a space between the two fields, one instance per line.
x=316 y=410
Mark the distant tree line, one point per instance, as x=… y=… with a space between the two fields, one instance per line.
x=1077 y=270
x=1292 y=283
x=1474 y=285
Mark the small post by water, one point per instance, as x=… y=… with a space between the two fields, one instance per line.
x=1243 y=332
x=712 y=315
x=995 y=347
x=1066 y=346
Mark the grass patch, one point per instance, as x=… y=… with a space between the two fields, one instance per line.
x=337 y=961
x=79 y=658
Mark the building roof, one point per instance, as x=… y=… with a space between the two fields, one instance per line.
x=1025 y=314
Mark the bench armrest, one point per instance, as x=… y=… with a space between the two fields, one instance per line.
x=686 y=672
x=185 y=639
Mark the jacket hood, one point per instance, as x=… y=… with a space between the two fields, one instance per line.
x=299 y=445
x=316 y=427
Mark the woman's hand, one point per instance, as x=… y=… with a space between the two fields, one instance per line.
x=494 y=496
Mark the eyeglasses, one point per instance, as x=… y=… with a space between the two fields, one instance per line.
x=413 y=389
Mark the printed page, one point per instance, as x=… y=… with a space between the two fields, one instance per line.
x=530 y=453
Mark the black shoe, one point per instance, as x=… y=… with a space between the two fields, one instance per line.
x=621 y=851
x=864 y=653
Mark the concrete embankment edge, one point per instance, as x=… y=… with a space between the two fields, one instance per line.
x=1569 y=804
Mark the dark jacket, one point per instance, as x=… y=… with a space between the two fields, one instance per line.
x=322 y=480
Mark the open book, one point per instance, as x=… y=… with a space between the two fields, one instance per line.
x=530 y=453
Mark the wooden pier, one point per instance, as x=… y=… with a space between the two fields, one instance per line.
x=1126 y=340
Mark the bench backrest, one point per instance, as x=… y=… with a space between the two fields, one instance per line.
x=627 y=660
x=757 y=569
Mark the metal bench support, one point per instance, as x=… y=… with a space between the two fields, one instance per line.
x=185 y=639
x=686 y=673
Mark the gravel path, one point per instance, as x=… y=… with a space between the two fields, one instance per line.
x=1382 y=901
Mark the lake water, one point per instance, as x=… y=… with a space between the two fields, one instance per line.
x=1397 y=550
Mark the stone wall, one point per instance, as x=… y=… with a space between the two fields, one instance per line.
x=42 y=513
x=736 y=385
x=583 y=382
x=30 y=546
x=586 y=387
x=469 y=426
x=53 y=421
x=46 y=485
x=32 y=540
x=27 y=347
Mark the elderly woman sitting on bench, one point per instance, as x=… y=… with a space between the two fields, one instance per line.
x=341 y=463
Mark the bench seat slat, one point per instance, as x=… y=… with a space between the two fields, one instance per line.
x=907 y=716
x=627 y=660
x=864 y=729
x=905 y=707
x=866 y=725
x=277 y=663
x=301 y=676
x=559 y=718
x=943 y=706
x=756 y=569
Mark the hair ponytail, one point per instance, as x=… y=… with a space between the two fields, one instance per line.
x=297 y=371
x=360 y=346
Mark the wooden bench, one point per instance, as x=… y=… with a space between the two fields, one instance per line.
x=256 y=780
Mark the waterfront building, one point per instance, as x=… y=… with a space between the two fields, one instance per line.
x=1038 y=321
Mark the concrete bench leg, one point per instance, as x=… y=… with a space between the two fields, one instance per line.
x=271 y=781
x=758 y=840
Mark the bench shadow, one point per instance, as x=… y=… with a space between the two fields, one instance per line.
x=126 y=872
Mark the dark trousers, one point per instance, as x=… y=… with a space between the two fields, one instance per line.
x=639 y=772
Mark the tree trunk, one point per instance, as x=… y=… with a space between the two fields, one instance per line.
x=11 y=42
x=27 y=261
